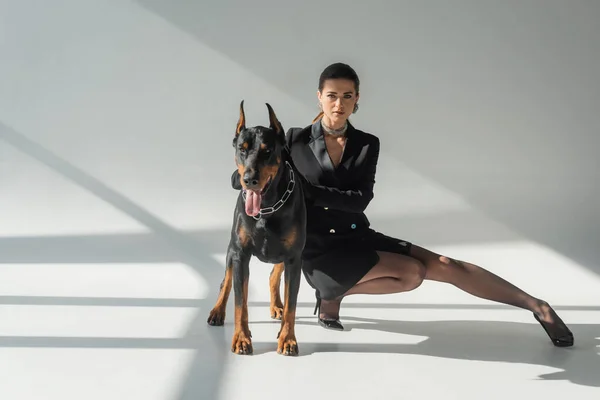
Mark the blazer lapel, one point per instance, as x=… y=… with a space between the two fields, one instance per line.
x=349 y=154
x=319 y=149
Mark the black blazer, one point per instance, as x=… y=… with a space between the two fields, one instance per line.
x=336 y=198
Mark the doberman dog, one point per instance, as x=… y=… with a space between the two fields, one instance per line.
x=269 y=223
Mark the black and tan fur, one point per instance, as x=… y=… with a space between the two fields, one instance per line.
x=276 y=238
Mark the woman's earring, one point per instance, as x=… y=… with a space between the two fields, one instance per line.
x=355 y=108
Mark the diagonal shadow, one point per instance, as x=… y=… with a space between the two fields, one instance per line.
x=105 y=248
x=537 y=193
x=205 y=373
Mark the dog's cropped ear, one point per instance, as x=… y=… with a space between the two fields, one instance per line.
x=241 y=125
x=274 y=122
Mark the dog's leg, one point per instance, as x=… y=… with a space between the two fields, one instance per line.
x=274 y=282
x=287 y=344
x=217 y=314
x=241 y=342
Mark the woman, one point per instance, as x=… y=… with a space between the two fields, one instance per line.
x=343 y=255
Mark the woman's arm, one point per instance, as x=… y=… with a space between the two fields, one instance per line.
x=355 y=200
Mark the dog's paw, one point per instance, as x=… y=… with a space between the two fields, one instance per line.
x=276 y=312
x=216 y=317
x=241 y=343
x=287 y=344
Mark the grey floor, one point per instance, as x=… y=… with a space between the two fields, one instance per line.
x=116 y=120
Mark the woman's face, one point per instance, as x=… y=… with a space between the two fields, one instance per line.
x=338 y=98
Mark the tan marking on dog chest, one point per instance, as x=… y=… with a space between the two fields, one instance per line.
x=290 y=238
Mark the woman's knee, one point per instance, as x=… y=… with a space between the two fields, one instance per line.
x=416 y=275
x=410 y=271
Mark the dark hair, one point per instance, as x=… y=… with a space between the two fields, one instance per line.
x=337 y=71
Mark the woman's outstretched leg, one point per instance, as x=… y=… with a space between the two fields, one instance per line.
x=481 y=283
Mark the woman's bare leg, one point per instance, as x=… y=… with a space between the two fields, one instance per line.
x=394 y=273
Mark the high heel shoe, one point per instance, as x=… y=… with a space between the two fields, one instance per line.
x=328 y=323
x=566 y=340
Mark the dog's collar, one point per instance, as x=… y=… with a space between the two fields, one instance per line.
x=280 y=202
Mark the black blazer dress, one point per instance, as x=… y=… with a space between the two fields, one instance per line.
x=340 y=245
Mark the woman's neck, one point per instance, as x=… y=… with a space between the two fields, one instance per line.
x=333 y=130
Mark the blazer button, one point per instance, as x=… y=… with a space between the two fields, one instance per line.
x=353 y=226
x=332 y=231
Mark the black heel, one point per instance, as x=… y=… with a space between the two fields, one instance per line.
x=333 y=324
x=563 y=341
x=318 y=305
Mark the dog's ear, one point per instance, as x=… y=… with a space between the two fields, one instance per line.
x=274 y=122
x=241 y=125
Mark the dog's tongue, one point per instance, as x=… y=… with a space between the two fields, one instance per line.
x=253 y=200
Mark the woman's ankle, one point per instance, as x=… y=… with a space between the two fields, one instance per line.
x=330 y=309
